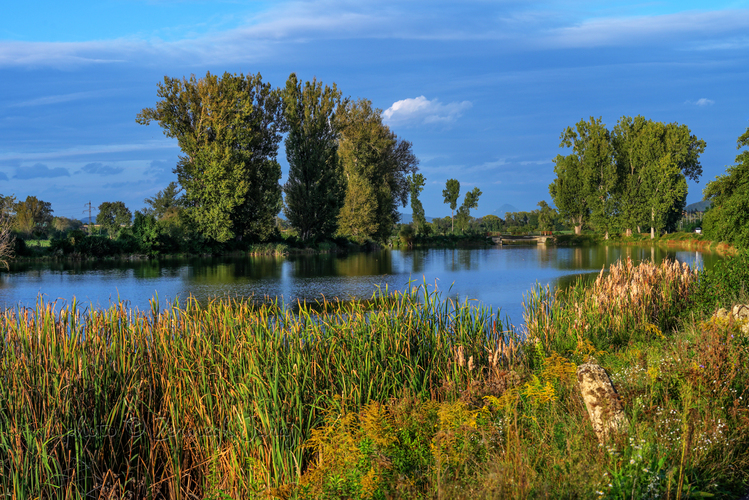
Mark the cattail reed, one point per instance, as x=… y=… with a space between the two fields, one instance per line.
x=194 y=400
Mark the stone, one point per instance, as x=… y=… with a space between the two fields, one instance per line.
x=603 y=403
x=741 y=311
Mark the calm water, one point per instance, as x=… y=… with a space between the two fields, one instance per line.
x=496 y=277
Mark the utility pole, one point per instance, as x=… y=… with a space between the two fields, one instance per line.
x=89 y=216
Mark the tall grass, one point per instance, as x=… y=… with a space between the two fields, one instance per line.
x=199 y=401
x=629 y=302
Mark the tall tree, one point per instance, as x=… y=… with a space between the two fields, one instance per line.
x=229 y=129
x=375 y=163
x=726 y=220
x=113 y=216
x=655 y=160
x=450 y=195
x=315 y=188
x=586 y=179
x=33 y=216
x=470 y=202
x=416 y=185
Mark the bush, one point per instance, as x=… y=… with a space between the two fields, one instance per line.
x=727 y=282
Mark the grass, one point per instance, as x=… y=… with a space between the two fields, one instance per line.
x=406 y=395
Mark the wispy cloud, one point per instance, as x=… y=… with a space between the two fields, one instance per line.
x=701 y=102
x=90 y=150
x=290 y=24
x=422 y=110
x=641 y=30
x=101 y=169
x=58 y=99
x=3 y=176
x=40 y=170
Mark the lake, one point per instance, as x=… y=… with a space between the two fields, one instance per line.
x=495 y=276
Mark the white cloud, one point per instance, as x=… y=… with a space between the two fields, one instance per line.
x=423 y=111
x=703 y=102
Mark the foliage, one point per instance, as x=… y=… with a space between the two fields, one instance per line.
x=725 y=284
x=586 y=178
x=727 y=218
x=632 y=176
x=654 y=160
x=229 y=129
x=415 y=186
x=471 y=201
x=112 y=217
x=7 y=240
x=33 y=216
x=315 y=188
x=376 y=165
x=165 y=204
x=450 y=196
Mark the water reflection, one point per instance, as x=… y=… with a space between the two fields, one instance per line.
x=496 y=277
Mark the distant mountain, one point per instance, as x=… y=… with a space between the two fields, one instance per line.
x=700 y=206
x=408 y=218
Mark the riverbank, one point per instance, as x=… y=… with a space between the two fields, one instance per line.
x=407 y=395
x=686 y=241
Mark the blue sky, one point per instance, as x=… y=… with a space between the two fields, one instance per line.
x=482 y=89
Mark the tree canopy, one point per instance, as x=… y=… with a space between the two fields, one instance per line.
x=450 y=195
x=728 y=217
x=113 y=216
x=33 y=215
x=315 y=188
x=376 y=166
x=632 y=176
x=229 y=129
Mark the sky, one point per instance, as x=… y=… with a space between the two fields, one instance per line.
x=482 y=89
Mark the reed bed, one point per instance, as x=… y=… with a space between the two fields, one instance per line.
x=627 y=302
x=201 y=401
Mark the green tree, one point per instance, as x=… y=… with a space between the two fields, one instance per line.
x=112 y=217
x=416 y=185
x=492 y=223
x=33 y=216
x=229 y=129
x=654 y=160
x=470 y=202
x=376 y=164
x=726 y=220
x=450 y=195
x=7 y=238
x=358 y=217
x=586 y=183
x=546 y=217
x=315 y=188
x=165 y=203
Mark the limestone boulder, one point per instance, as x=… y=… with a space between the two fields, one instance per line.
x=603 y=403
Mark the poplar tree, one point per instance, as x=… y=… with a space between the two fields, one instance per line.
x=376 y=166
x=315 y=189
x=228 y=129
x=416 y=186
x=655 y=159
x=450 y=195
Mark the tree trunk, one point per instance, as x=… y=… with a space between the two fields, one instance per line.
x=628 y=231
x=652 y=223
x=579 y=229
x=606 y=236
